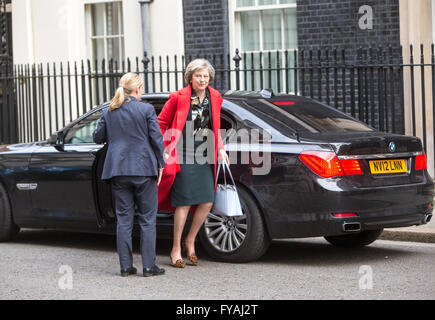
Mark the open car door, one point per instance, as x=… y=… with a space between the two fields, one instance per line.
x=104 y=204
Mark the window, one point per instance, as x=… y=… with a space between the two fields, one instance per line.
x=264 y=30
x=105 y=31
x=306 y=117
x=82 y=132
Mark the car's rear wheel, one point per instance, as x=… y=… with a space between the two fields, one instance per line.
x=8 y=229
x=236 y=239
x=356 y=240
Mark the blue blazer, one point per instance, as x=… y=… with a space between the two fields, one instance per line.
x=134 y=138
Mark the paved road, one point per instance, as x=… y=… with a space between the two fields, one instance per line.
x=38 y=265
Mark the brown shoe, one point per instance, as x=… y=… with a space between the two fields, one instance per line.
x=192 y=257
x=178 y=264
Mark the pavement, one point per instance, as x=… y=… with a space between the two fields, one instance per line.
x=421 y=233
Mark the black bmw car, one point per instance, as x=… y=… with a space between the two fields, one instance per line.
x=327 y=174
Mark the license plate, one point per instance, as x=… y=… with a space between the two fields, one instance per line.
x=388 y=166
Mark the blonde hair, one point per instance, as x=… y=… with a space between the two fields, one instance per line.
x=198 y=64
x=127 y=85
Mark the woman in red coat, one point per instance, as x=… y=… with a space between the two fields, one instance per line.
x=190 y=123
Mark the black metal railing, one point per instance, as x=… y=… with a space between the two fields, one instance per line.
x=8 y=123
x=376 y=85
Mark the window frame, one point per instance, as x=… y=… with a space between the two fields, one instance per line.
x=236 y=32
x=235 y=23
x=90 y=37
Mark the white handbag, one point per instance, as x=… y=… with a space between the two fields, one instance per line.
x=227 y=202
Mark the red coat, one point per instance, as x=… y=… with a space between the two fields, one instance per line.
x=173 y=116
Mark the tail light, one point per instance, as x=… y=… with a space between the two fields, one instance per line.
x=327 y=165
x=420 y=162
x=351 y=167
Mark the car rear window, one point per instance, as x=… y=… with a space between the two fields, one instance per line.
x=307 y=116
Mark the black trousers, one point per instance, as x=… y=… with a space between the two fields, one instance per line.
x=142 y=191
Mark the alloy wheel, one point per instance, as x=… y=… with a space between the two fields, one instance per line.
x=226 y=234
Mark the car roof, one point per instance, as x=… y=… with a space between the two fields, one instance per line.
x=229 y=94
x=240 y=94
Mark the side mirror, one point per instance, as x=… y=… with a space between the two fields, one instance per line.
x=53 y=138
x=59 y=144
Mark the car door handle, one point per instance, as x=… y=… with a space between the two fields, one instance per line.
x=27 y=186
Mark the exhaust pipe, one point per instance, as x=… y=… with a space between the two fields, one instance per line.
x=351 y=227
x=427 y=218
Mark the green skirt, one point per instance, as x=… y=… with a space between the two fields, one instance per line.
x=193 y=185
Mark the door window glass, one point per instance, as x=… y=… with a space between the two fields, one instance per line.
x=82 y=132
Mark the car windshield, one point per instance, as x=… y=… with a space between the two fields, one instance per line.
x=306 y=116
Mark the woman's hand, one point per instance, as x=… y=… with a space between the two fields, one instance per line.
x=223 y=156
x=160 y=176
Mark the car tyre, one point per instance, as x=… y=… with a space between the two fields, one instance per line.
x=222 y=237
x=8 y=229
x=356 y=240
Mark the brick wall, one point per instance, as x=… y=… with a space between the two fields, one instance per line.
x=322 y=24
x=206 y=34
x=333 y=23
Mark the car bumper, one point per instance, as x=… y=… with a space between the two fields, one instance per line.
x=310 y=214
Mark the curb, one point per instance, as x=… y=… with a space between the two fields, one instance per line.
x=418 y=233
x=408 y=235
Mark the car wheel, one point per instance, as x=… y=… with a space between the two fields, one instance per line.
x=8 y=229
x=236 y=239
x=361 y=239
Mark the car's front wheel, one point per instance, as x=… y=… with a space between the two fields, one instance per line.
x=236 y=239
x=8 y=229
x=356 y=240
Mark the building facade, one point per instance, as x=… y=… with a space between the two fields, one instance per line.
x=65 y=30
x=273 y=34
